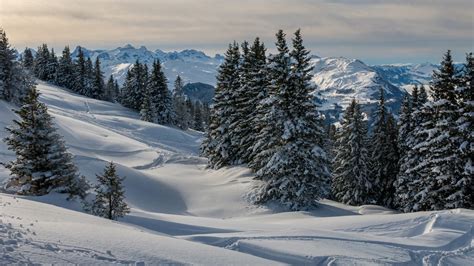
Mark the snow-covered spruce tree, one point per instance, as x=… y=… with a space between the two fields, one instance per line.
x=412 y=163
x=463 y=185
x=110 y=91
x=351 y=182
x=79 y=84
x=296 y=175
x=383 y=155
x=217 y=146
x=65 y=73
x=183 y=118
x=52 y=67
x=404 y=124
x=15 y=82
x=89 y=79
x=109 y=201
x=28 y=59
x=161 y=104
x=146 y=113
x=431 y=168
x=42 y=60
x=443 y=140
x=134 y=87
x=268 y=139
x=247 y=97
x=98 y=86
x=43 y=163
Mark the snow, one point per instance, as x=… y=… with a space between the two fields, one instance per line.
x=183 y=213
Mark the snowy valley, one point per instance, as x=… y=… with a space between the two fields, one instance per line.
x=184 y=213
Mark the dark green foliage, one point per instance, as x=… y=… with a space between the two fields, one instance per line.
x=351 y=181
x=43 y=163
x=110 y=195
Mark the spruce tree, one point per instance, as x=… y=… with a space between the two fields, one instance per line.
x=80 y=73
x=52 y=67
x=110 y=195
x=463 y=186
x=65 y=73
x=404 y=124
x=42 y=62
x=89 y=79
x=110 y=92
x=28 y=59
x=43 y=163
x=98 y=86
x=383 y=155
x=247 y=97
x=15 y=82
x=179 y=105
x=296 y=174
x=159 y=96
x=431 y=169
x=351 y=183
x=146 y=112
x=217 y=146
x=134 y=87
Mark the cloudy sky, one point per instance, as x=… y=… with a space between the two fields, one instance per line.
x=376 y=31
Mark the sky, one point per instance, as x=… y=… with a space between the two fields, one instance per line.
x=375 y=31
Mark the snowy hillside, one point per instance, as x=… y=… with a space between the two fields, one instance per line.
x=340 y=80
x=183 y=213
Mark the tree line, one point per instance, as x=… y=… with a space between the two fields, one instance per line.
x=144 y=91
x=264 y=116
x=43 y=163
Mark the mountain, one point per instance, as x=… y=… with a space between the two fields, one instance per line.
x=338 y=79
x=185 y=213
x=199 y=92
x=191 y=65
x=406 y=74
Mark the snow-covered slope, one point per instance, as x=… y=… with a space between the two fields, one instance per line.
x=183 y=213
x=339 y=80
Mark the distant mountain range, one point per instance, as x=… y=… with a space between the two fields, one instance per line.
x=338 y=79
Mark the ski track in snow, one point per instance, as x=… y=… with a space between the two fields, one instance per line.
x=183 y=213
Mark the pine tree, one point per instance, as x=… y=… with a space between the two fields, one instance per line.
x=42 y=61
x=52 y=67
x=28 y=59
x=351 y=182
x=65 y=73
x=243 y=124
x=404 y=124
x=89 y=79
x=134 y=87
x=109 y=202
x=431 y=169
x=110 y=92
x=98 y=86
x=463 y=186
x=383 y=155
x=296 y=174
x=146 y=112
x=15 y=82
x=80 y=73
x=159 y=96
x=217 y=146
x=43 y=163
x=179 y=105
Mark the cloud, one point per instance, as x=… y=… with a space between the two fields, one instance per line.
x=367 y=29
